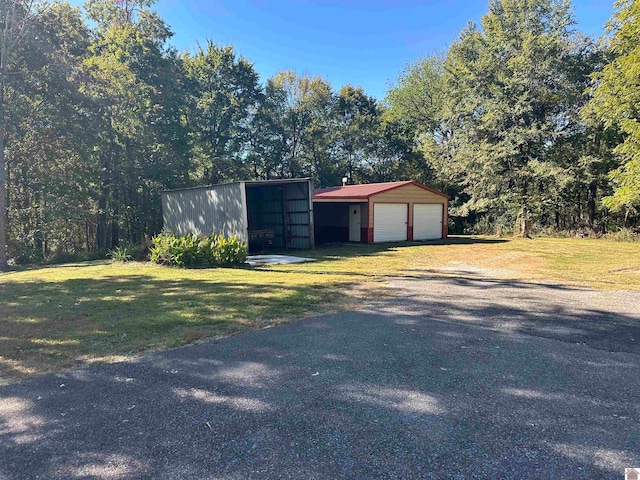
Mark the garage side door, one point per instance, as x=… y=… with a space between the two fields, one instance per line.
x=427 y=221
x=389 y=222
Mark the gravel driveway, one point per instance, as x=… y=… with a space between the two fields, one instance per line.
x=456 y=376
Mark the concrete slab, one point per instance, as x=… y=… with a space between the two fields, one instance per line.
x=258 y=260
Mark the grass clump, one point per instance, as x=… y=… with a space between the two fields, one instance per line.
x=120 y=254
x=623 y=235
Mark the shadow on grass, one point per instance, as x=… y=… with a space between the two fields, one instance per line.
x=334 y=252
x=48 y=326
x=77 y=264
x=323 y=252
x=462 y=277
x=330 y=251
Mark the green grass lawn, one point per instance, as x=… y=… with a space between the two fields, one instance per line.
x=54 y=318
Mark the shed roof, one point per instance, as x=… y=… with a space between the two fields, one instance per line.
x=366 y=190
x=249 y=183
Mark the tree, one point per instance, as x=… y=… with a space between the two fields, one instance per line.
x=48 y=137
x=417 y=102
x=419 y=94
x=584 y=148
x=222 y=91
x=15 y=18
x=616 y=101
x=357 y=114
x=139 y=147
x=290 y=101
x=389 y=153
x=318 y=145
x=507 y=84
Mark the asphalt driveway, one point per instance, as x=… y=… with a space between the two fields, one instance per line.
x=455 y=377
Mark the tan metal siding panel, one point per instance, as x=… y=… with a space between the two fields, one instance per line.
x=408 y=194
x=202 y=211
x=364 y=211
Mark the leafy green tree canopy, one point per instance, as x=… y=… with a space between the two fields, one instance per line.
x=617 y=102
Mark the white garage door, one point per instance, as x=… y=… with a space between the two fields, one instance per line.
x=427 y=221
x=389 y=222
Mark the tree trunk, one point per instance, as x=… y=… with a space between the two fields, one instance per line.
x=38 y=236
x=3 y=188
x=525 y=222
x=524 y=226
x=103 y=204
x=3 y=163
x=579 y=207
x=101 y=230
x=591 y=203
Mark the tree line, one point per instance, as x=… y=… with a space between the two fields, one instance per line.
x=530 y=124
x=523 y=121
x=102 y=114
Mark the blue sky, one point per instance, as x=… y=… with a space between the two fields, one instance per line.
x=362 y=42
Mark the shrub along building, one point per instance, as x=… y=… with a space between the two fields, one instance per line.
x=284 y=214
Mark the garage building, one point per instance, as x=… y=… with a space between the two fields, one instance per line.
x=380 y=212
x=265 y=214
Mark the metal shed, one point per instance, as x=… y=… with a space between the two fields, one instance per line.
x=265 y=214
x=380 y=212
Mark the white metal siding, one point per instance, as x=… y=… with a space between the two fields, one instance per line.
x=206 y=210
x=390 y=222
x=427 y=221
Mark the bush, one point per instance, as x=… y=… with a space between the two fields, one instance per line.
x=623 y=235
x=195 y=251
x=61 y=256
x=25 y=253
x=121 y=254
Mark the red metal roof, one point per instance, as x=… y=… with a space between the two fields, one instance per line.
x=364 y=191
